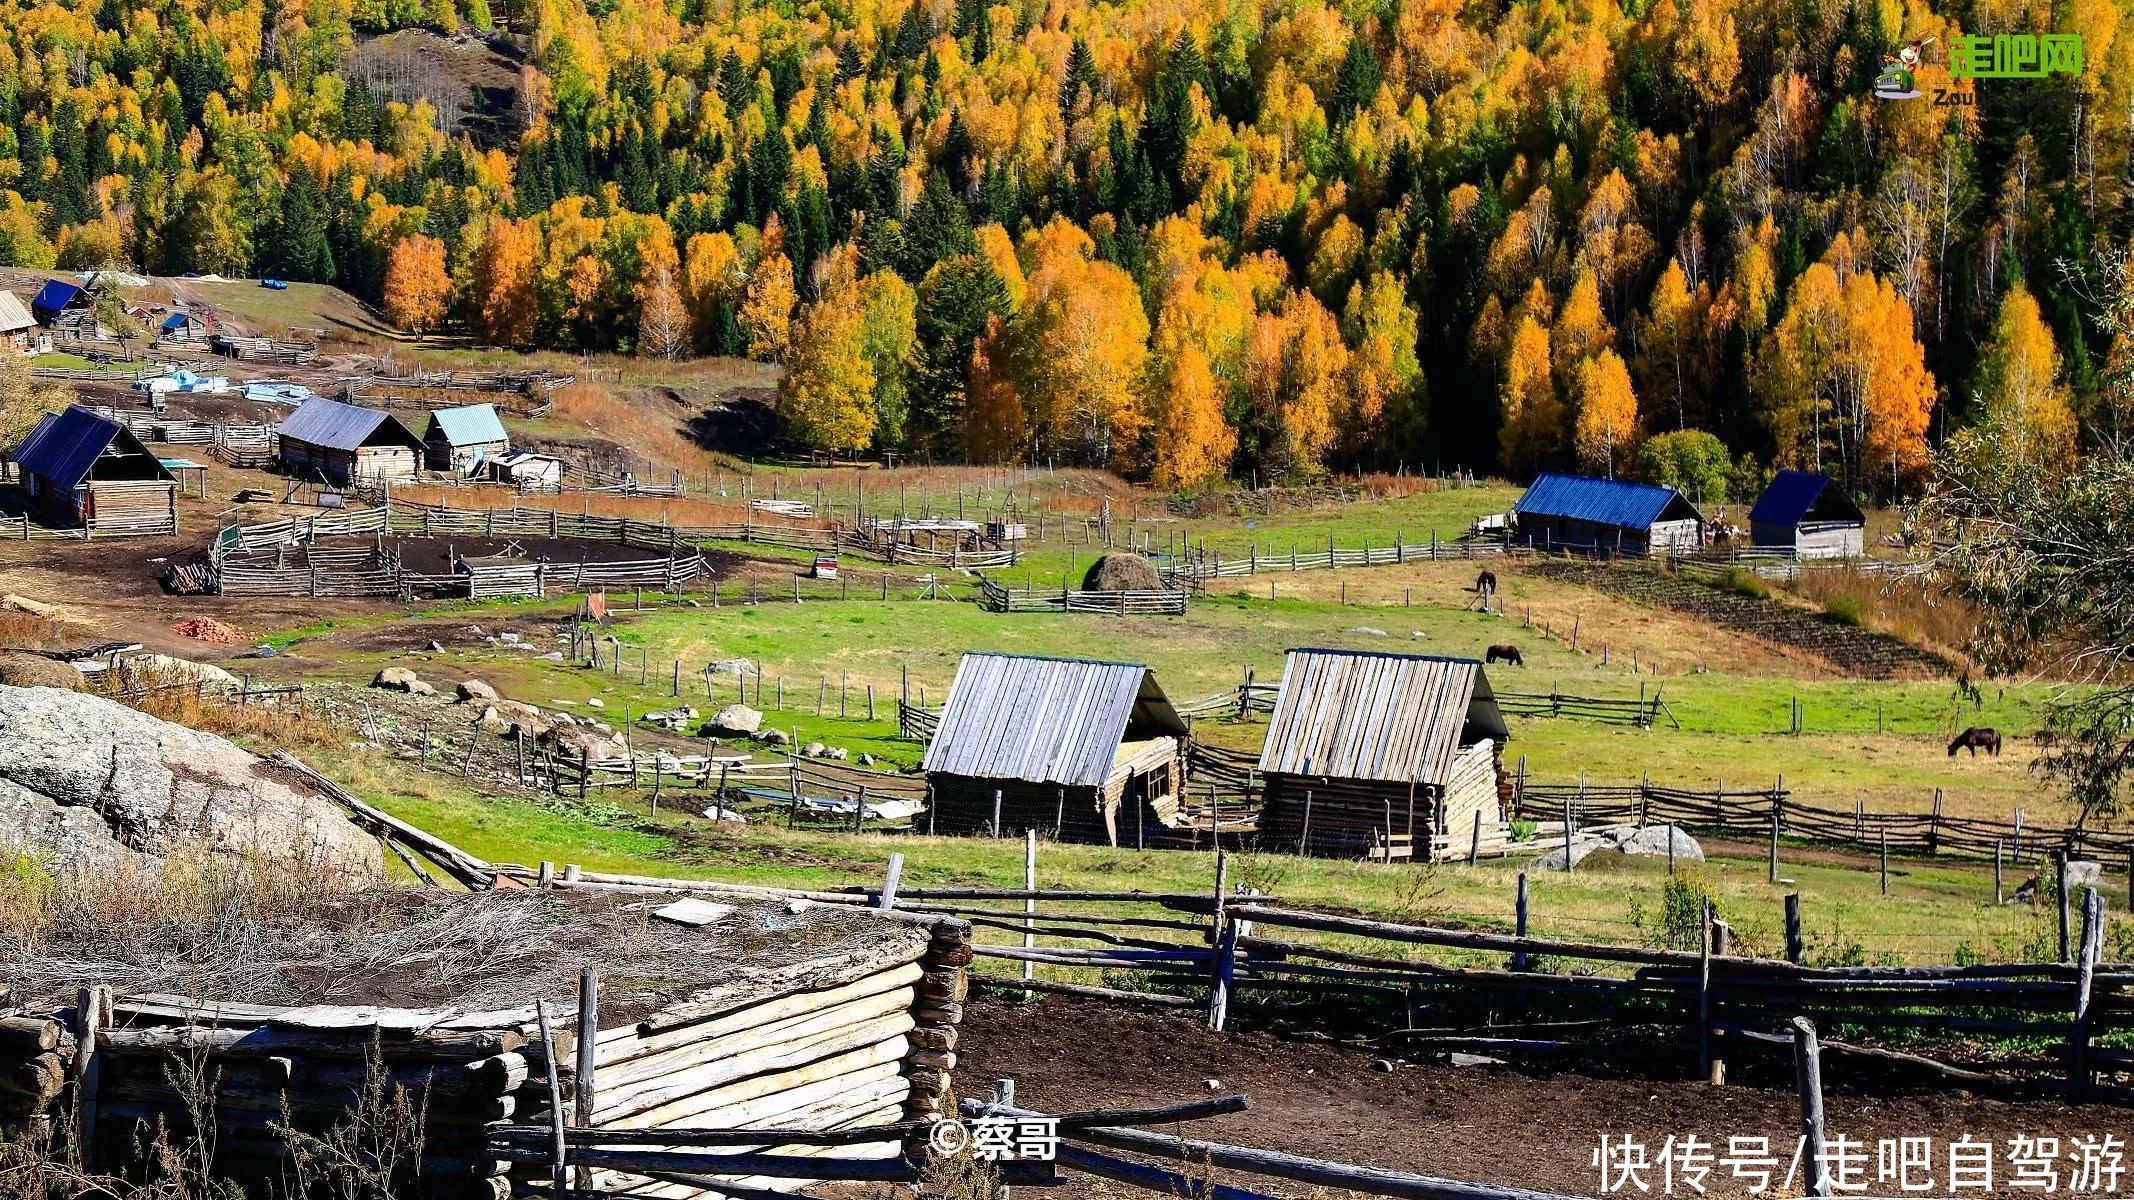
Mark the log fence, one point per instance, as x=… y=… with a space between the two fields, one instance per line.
x=996 y=598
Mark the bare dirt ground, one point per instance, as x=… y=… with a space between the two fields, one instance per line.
x=1490 y=1124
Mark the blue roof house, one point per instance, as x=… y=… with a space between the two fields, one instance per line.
x=91 y=471
x=461 y=439
x=1809 y=514
x=1606 y=516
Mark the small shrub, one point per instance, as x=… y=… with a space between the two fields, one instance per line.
x=1679 y=925
x=1743 y=582
x=1523 y=831
x=1846 y=610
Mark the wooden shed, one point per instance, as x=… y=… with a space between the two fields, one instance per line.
x=344 y=443
x=92 y=472
x=460 y=439
x=1370 y=753
x=1810 y=515
x=528 y=470
x=182 y=328
x=1607 y=516
x=1087 y=750
x=18 y=329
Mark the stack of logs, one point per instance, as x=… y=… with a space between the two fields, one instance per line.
x=33 y=1057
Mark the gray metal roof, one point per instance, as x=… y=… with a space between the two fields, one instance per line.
x=65 y=446
x=339 y=426
x=1389 y=718
x=14 y=314
x=1045 y=720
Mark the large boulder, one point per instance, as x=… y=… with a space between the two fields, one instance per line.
x=1122 y=573
x=153 y=670
x=91 y=783
x=20 y=668
x=399 y=679
x=475 y=689
x=734 y=719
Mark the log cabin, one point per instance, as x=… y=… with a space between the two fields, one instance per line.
x=345 y=444
x=1809 y=515
x=88 y=471
x=1087 y=751
x=18 y=329
x=1373 y=754
x=756 y=1012
x=460 y=440
x=1606 y=516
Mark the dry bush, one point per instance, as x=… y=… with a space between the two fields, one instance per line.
x=1909 y=609
x=278 y=721
x=28 y=631
x=657 y=436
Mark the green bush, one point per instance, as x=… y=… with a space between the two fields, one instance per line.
x=1691 y=461
x=1846 y=610
x=1745 y=583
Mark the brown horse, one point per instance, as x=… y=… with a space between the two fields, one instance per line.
x=1486 y=582
x=1976 y=739
x=1510 y=654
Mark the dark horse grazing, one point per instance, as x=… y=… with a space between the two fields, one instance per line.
x=1976 y=739
x=1510 y=654
x=1486 y=582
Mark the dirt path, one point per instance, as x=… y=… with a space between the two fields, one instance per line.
x=1490 y=1124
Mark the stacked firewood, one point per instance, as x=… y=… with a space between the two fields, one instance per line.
x=34 y=1052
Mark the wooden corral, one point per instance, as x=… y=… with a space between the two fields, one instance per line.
x=727 y=1015
x=88 y=471
x=346 y=444
x=1606 y=516
x=1809 y=515
x=1088 y=751
x=460 y=439
x=1373 y=754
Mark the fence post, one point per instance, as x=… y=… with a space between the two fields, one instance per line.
x=588 y=1032
x=1519 y=924
x=2060 y=877
x=1808 y=1077
x=890 y=879
x=1304 y=842
x=2078 y=1048
x=1704 y=995
x=996 y=812
x=1796 y=949
x=1997 y=872
x=1567 y=860
x=1885 y=865
x=1030 y=901
x=1774 y=843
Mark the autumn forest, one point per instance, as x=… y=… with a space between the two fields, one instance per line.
x=1182 y=239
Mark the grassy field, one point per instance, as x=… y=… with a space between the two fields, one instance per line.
x=1934 y=912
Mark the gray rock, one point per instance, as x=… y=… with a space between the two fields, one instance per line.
x=836 y=753
x=399 y=679
x=157 y=669
x=813 y=750
x=866 y=760
x=735 y=719
x=475 y=689
x=1583 y=845
x=1653 y=840
x=420 y=688
x=2082 y=873
x=775 y=737
x=595 y=702
x=493 y=722
x=1367 y=630
x=94 y=784
x=433 y=645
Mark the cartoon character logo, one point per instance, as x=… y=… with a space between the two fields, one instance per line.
x=1896 y=81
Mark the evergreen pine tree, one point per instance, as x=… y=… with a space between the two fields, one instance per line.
x=940 y=228
x=1357 y=84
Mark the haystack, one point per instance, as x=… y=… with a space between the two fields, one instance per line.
x=1122 y=573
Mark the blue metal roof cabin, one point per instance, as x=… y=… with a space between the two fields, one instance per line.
x=461 y=439
x=1607 y=516
x=56 y=297
x=93 y=472
x=1809 y=514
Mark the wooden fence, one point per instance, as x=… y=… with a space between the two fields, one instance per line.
x=1643 y=712
x=1751 y=814
x=996 y=598
x=1200 y=563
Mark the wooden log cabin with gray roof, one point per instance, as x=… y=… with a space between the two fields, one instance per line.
x=1088 y=751
x=1374 y=754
